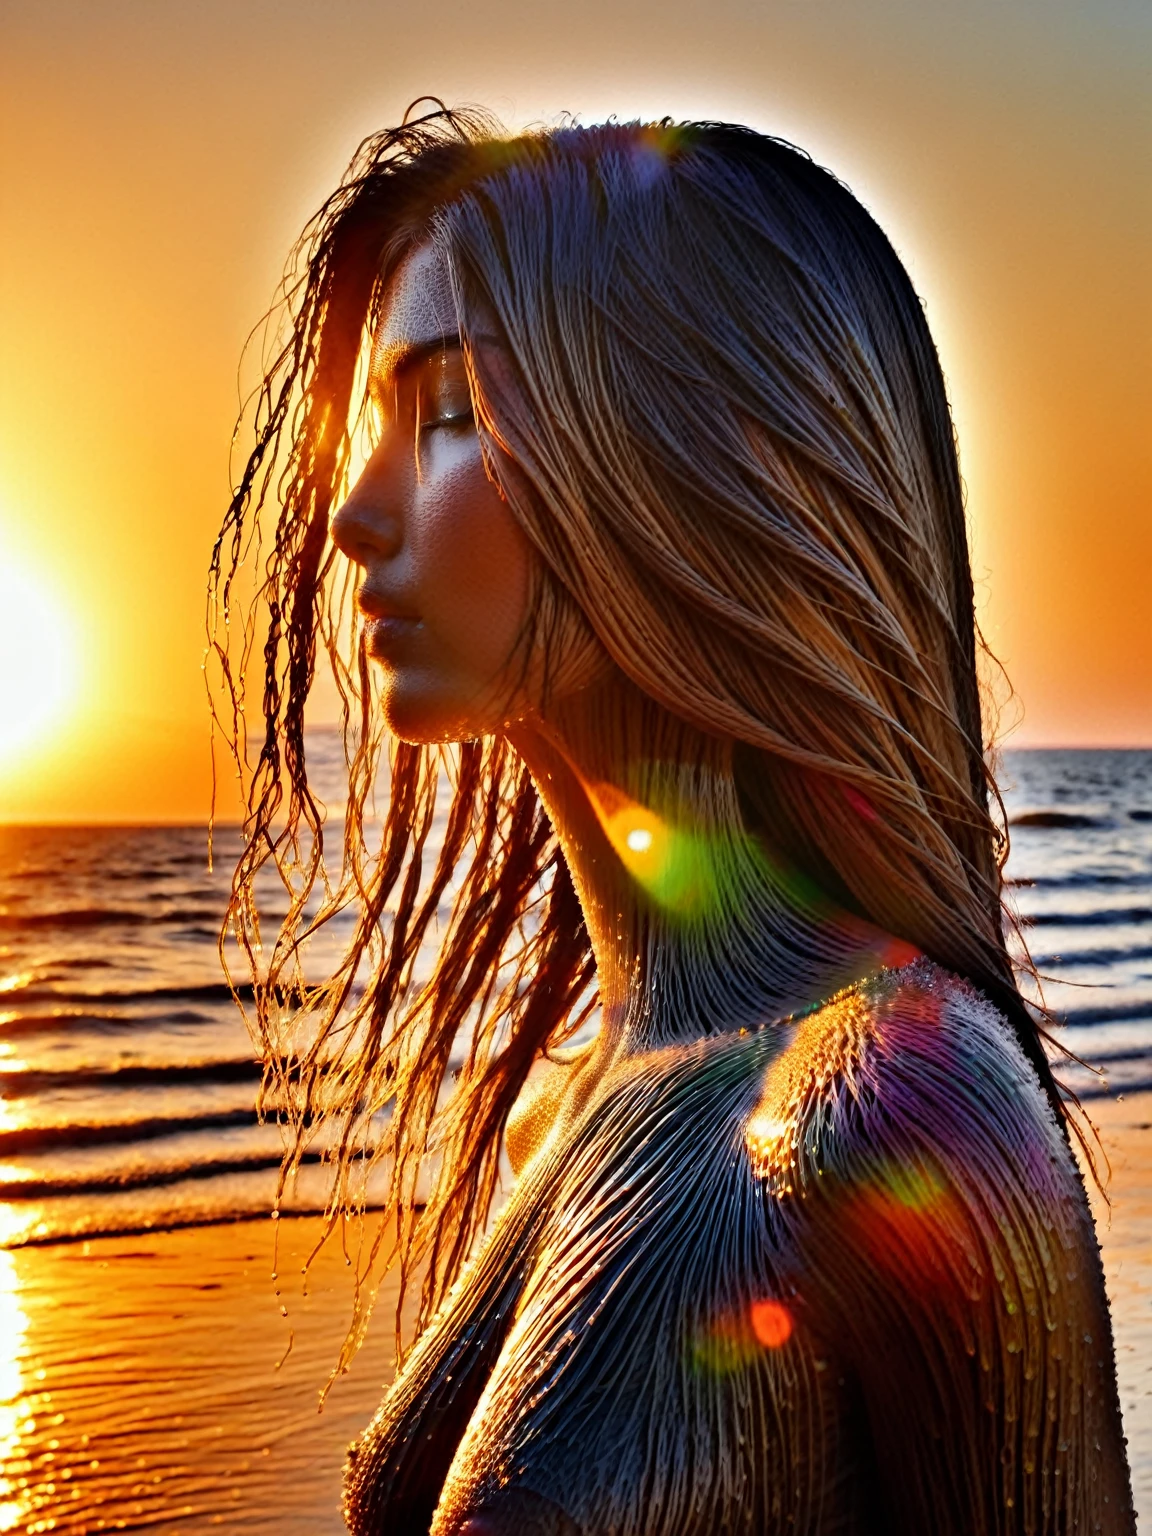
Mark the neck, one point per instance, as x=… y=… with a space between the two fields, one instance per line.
x=696 y=929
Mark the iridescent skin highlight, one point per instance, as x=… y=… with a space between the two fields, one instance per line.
x=798 y=1243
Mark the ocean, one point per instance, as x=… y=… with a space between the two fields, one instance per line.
x=140 y=1336
x=127 y=1079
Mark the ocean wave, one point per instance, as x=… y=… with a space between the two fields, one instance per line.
x=104 y=1224
x=1071 y=821
x=84 y=963
x=100 y=1023
x=1072 y=957
x=1102 y=1065
x=144 y=1178
x=76 y=1134
x=225 y=1198
x=1109 y=1013
x=37 y=1080
x=103 y=917
x=1110 y=1058
x=1105 y=1090
x=206 y=992
x=1099 y=917
x=1085 y=880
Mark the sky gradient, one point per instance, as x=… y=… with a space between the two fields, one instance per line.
x=157 y=160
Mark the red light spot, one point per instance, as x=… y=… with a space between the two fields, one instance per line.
x=897 y=954
x=860 y=803
x=771 y=1323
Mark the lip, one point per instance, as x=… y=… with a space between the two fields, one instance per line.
x=376 y=604
x=382 y=632
x=388 y=620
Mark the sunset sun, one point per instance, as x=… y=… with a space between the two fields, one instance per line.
x=36 y=670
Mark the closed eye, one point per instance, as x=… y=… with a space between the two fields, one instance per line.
x=444 y=397
x=424 y=384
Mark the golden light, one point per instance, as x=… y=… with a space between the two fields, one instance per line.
x=37 y=672
x=13 y=1405
x=768 y=1138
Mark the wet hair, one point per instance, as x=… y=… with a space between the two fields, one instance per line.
x=720 y=419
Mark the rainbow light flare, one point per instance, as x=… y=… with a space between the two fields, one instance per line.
x=671 y=864
x=688 y=873
x=695 y=873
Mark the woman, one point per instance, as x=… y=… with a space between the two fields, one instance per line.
x=661 y=522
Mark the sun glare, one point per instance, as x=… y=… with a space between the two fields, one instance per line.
x=36 y=673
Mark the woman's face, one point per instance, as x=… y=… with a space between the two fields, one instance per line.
x=447 y=570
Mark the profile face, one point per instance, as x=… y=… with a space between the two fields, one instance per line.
x=447 y=571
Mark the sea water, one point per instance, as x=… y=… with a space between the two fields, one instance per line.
x=170 y=1380
x=128 y=1082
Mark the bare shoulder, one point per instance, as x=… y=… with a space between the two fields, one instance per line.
x=914 y=1062
x=928 y=1215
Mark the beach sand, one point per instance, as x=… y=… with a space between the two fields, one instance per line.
x=1125 y=1228
x=142 y=1387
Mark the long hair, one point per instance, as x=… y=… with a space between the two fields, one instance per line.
x=720 y=419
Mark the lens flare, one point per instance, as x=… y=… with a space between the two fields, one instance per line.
x=694 y=872
x=771 y=1323
x=681 y=869
x=734 y=1340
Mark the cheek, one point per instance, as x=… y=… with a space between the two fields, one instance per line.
x=474 y=566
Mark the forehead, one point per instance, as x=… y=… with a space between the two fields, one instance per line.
x=418 y=307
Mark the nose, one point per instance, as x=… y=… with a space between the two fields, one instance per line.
x=369 y=526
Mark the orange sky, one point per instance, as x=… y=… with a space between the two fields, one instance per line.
x=159 y=157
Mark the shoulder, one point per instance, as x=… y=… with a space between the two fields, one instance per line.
x=920 y=1189
x=932 y=1230
x=911 y=1064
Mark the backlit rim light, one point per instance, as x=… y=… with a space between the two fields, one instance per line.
x=36 y=659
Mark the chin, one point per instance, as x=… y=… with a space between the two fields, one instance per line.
x=419 y=727
x=423 y=717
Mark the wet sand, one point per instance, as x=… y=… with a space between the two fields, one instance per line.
x=1125 y=1229
x=140 y=1383
x=143 y=1388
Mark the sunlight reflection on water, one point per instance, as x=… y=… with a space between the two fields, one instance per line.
x=13 y=1408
